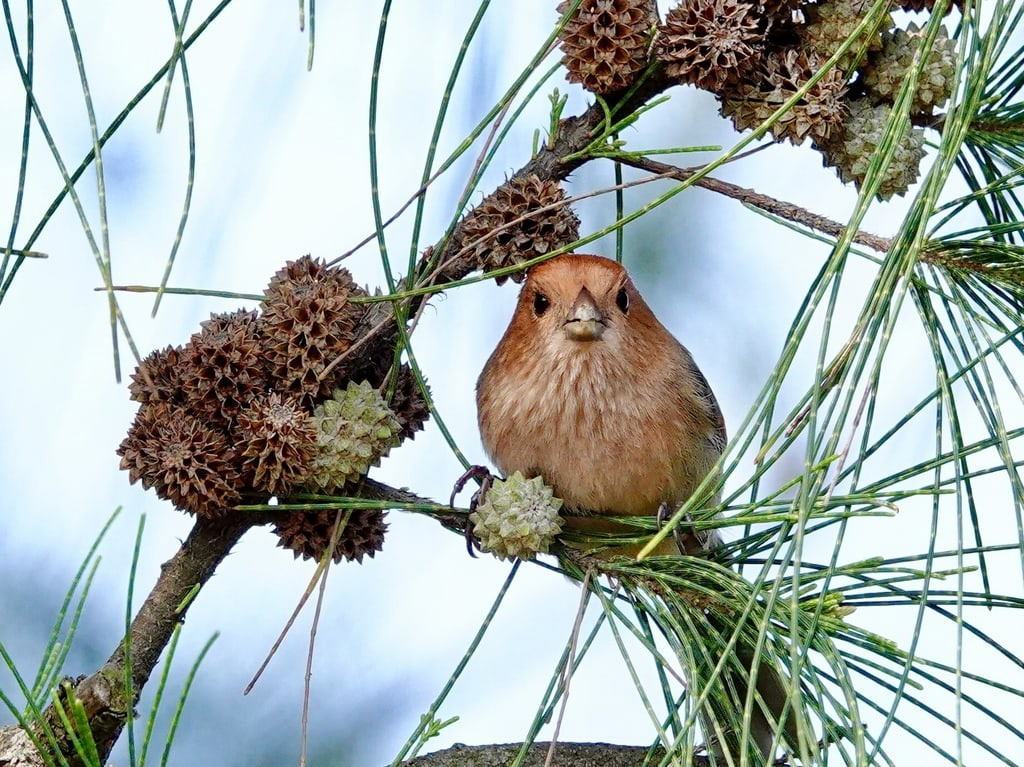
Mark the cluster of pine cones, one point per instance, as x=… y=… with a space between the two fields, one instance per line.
x=259 y=404
x=754 y=55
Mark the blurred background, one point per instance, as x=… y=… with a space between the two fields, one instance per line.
x=282 y=170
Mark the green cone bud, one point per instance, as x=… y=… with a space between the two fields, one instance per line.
x=517 y=518
x=354 y=430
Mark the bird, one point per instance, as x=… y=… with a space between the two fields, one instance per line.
x=588 y=390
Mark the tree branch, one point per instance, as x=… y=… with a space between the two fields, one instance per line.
x=780 y=208
x=579 y=754
x=103 y=694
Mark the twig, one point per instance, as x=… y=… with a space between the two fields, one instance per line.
x=313 y=581
x=570 y=661
x=307 y=683
x=780 y=208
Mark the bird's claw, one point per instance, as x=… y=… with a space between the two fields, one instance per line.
x=689 y=541
x=473 y=472
x=665 y=512
x=662 y=516
x=483 y=474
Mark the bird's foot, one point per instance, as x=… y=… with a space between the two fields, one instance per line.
x=694 y=543
x=665 y=512
x=483 y=474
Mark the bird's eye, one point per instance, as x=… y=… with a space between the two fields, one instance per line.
x=622 y=300
x=540 y=303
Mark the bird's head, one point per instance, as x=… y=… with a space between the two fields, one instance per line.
x=574 y=302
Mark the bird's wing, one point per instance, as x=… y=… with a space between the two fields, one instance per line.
x=702 y=389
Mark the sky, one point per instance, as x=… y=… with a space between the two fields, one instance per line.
x=282 y=170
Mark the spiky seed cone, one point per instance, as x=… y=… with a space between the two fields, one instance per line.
x=778 y=77
x=494 y=241
x=517 y=518
x=182 y=459
x=225 y=367
x=277 y=441
x=308 y=533
x=301 y=270
x=354 y=430
x=308 y=321
x=139 y=449
x=709 y=42
x=408 y=405
x=828 y=25
x=158 y=377
x=849 y=151
x=605 y=42
x=884 y=72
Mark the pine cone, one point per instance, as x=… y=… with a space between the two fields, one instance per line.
x=308 y=321
x=517 y=518
x=828 y=25
x=605 y=42
x=850 y=150
x=535 y=235
x=354 y=430
x=710 y=42
x=277 y=441
x=884 y=72
x=183 y=459
x=302 y=270
x=158 y=377
x=308 y=533
x=774 y=82
x=225 y=367
x=408 y=405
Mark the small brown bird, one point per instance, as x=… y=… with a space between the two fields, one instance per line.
x=590 y=391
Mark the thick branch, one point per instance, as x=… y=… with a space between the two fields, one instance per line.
x=566 y=755
x=103 y=694
x=207 y=545
x=16 y=749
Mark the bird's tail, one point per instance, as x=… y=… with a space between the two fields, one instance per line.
x=747 y=707
x=737 y=723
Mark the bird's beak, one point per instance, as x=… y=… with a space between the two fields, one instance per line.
x=585 y=321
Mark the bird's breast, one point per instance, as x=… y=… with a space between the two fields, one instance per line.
x=606 y=439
